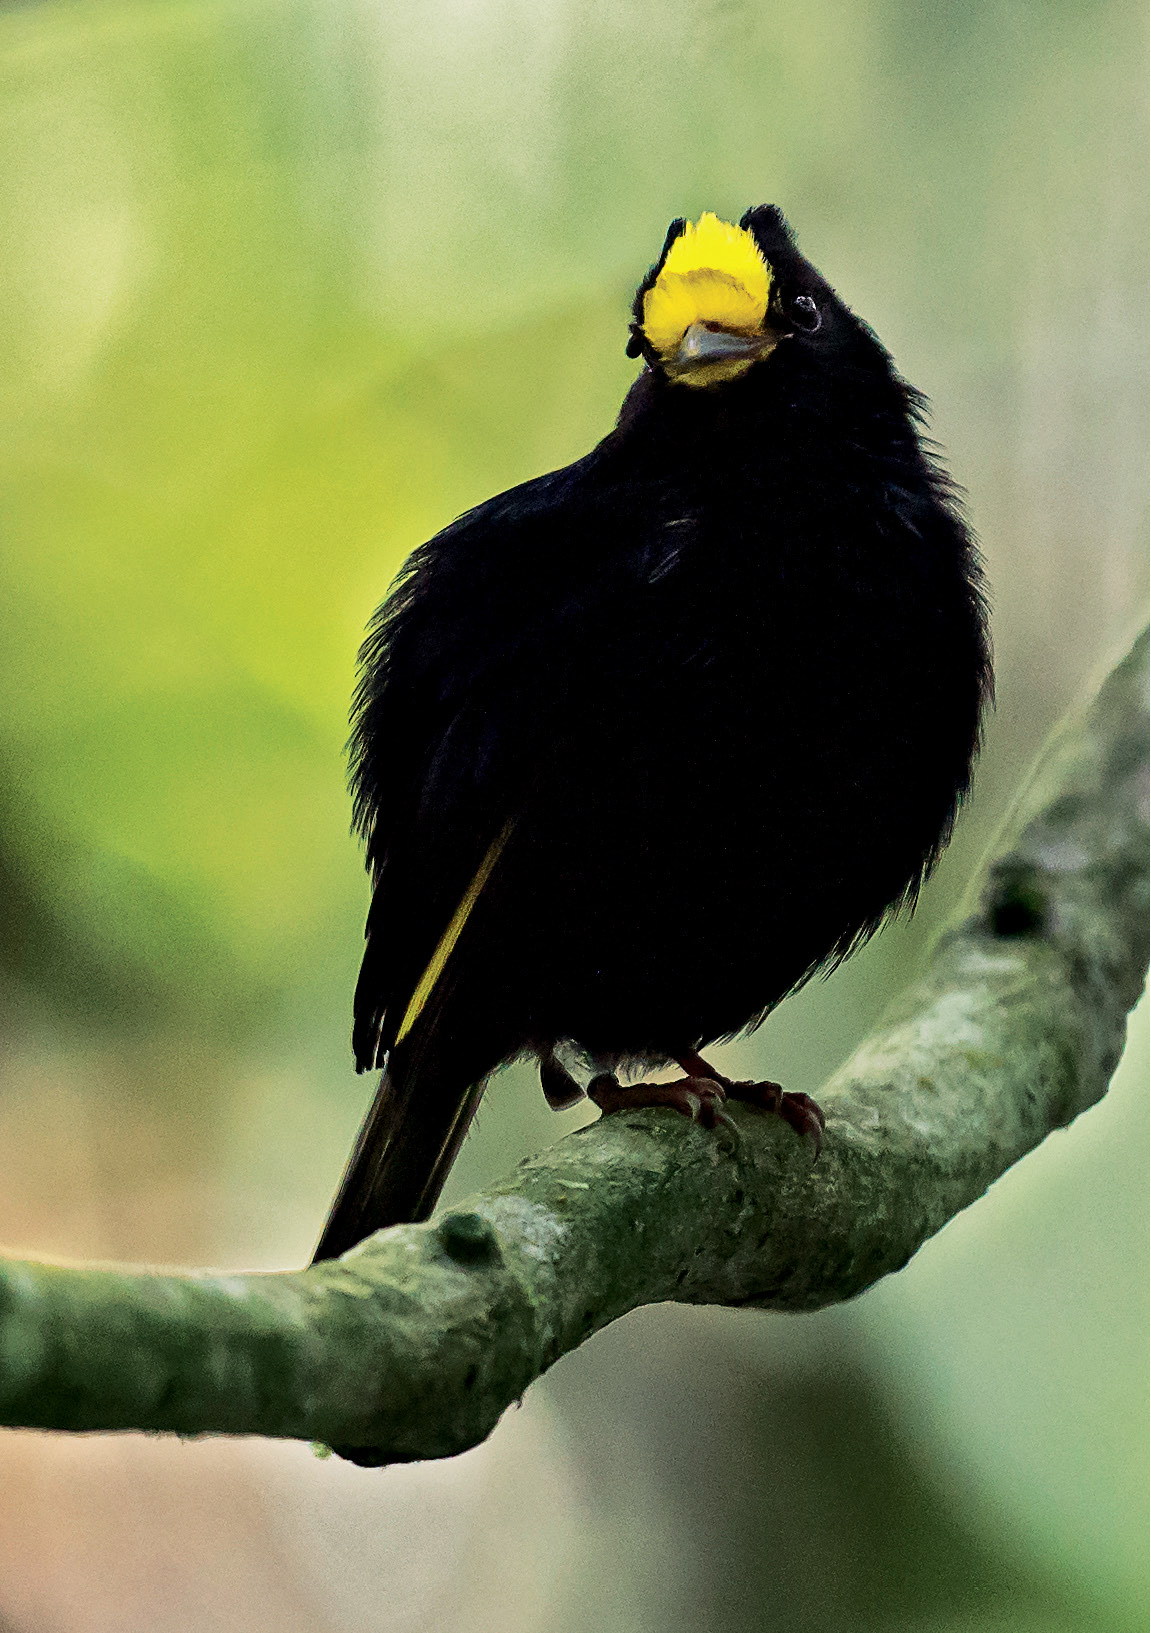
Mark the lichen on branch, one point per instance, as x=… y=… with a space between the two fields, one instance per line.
x=414 y=1343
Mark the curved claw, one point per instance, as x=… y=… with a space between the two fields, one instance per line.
x=798 y=1110
x=699 y=1098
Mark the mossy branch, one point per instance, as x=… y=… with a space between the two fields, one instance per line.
x=413 y=1344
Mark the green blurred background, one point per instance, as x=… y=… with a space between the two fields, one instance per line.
x=283 y=288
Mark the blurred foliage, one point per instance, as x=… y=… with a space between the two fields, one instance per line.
x=283 y=288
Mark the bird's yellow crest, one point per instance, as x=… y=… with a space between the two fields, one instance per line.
x=714 y=273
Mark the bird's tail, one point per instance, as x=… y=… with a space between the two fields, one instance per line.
x=438 y=1063
x=405 y=1148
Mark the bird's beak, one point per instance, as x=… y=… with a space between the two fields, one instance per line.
x=707 y=355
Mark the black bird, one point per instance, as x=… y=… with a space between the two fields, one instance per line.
x=641 y=745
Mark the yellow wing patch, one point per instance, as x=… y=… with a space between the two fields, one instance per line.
x=714 y=273
x=427 y=981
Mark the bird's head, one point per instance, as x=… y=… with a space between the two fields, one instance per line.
x=721 y=298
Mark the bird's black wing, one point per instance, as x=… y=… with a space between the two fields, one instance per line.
x=471 y=668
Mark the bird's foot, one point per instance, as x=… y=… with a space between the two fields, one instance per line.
x=799 y=1111
x=700 y=1098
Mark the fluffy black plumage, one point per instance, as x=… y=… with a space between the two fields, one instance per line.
x=718 y=684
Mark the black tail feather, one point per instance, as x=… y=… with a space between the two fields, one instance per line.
x=407 y=1144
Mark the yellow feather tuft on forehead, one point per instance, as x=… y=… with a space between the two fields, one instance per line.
x=714 y=273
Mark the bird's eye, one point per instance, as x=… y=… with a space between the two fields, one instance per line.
x=805 y=314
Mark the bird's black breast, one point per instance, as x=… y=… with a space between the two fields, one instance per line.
x=728 y=698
